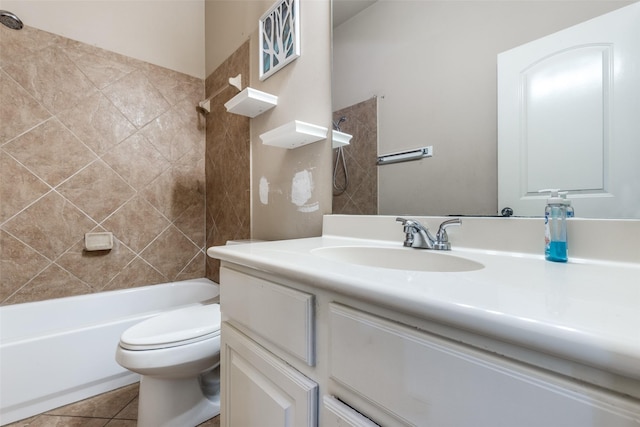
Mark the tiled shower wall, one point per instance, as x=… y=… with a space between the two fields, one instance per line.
x=94 y=141
x=228 y=160
x=361 y=194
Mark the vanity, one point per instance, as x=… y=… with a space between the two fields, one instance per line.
x=353 y=329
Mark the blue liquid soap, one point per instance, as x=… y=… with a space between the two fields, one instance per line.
x=555 y=234
x=557 y=251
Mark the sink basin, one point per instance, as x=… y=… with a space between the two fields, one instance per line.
x=398 y=258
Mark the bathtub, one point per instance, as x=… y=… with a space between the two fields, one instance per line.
x=60 y=351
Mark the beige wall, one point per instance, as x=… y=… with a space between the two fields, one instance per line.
x=433 y=66
x=304 y=93
x=95 y=141
x=169 y=33
x=229 y=24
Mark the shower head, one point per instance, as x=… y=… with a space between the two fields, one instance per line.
x=10 y=20
x=336 y=125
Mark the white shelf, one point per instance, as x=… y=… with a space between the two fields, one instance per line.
x=251 y=102
x=340 y=139
x=294 y=134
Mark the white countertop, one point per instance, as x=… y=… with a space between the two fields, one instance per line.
x=585 y=311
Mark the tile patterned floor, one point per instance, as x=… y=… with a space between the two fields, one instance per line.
x=117 y=408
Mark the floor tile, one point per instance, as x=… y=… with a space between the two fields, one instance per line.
x=61 y=421
x=117 y=408
x=106 y=405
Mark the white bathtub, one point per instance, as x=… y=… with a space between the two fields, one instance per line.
x=59 y=351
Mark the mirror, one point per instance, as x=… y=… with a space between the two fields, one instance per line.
x=425 y=74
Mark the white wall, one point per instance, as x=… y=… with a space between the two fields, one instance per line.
x=433 y=63
x=169 y=33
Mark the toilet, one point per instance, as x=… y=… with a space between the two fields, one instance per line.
x=177 y=355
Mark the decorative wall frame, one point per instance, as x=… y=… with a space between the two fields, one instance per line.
x=279 y=36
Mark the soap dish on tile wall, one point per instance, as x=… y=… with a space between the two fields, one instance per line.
x=251 y=102
x=294 y=134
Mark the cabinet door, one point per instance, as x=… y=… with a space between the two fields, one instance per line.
x=259 y=389
x=424 y=380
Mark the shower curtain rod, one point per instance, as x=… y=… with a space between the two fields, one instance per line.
x=205 y=106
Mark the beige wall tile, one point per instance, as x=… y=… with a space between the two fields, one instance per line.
x=136 y=223
x=136 y=98
x=134 y=189
x=100 y=70
x=361 y=194
x=175 y=86
x=53 y=282
x=96 y=268
x=171 y=241
x=19 y=111
x=97 y=190
x=51 y=78
x=137 y=160
x=227 y=160
x=177 y=131
x=137 y=273
x=15 y=45
x=18 y=263
x=51 y=225
x=51 y=152
x=18 y=187
x=97 y=122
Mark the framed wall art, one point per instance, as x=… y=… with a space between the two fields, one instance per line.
x=279 y=36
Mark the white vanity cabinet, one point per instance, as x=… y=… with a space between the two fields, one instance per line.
x=424 y=380
x=260 y=388
x=294 y=354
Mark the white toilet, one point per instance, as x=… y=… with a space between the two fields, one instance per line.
x=177 y=355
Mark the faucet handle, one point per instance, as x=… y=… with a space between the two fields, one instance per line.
x=406 y=222
x=408 y=227
x=442 y=238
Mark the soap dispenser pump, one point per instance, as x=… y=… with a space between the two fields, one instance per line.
x=555 y=221
x=567 y=204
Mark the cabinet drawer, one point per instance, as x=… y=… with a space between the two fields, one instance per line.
x=337 y=414
x=424 y=380
x=279 y=314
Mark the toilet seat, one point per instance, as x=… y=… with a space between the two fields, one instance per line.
x=176 y=328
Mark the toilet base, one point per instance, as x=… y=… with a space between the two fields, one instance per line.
x=174 y=402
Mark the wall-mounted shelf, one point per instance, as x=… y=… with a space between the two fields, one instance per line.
x=294 y=134
x=340 y=139
x=251 y=102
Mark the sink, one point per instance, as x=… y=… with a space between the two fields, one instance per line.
x=398 y=258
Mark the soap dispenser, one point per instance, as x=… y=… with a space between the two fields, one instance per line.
x=567 y=204
x=555 y=221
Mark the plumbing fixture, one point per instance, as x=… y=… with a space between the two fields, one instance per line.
x=340 y=161
x=10 y=20
x=204 y=107
x=506 y=212
x=419 y=236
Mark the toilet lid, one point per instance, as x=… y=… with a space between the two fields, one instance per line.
x=174 y=328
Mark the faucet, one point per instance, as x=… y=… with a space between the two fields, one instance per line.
x=419 y=236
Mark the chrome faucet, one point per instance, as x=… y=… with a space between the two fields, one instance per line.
x=418 y=236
